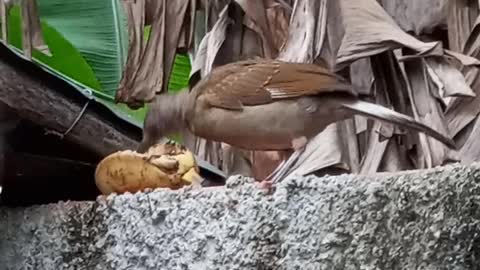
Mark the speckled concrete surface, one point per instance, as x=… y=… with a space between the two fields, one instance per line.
x=418 y=220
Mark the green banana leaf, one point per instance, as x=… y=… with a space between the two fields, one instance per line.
x=65 y=59
x=98 y=29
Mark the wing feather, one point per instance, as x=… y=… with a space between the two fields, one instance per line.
x=261 y=81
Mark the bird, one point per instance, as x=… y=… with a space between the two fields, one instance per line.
x=266 y=105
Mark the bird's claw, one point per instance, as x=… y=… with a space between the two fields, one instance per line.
x=266 y=184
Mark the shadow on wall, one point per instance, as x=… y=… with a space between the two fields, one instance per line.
x=39 y=168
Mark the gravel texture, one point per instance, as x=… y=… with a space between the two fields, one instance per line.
x=413 y=220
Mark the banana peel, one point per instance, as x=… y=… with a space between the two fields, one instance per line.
x=168 y=165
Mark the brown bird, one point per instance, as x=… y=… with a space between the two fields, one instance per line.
x=262 y=104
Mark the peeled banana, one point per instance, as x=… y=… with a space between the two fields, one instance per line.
x=168 y=165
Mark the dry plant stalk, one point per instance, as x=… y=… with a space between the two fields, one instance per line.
x=31 y=28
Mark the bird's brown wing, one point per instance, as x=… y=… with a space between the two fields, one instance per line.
x=256 y=82
x=296 y=79
x=241 y=83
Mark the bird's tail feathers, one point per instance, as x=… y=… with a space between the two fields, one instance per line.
x=384 y=114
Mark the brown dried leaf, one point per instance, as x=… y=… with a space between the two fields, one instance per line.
x=418 y=17
x=389 y=92
x=452 y=57
x=323 y=151
x=238 y=39
x=315 y=32
x=185 y=41
x=462 y=111
x=390 y=89
x=236 y=161
x=369 y=30
x=198 y=60
x=251 y=45
x=395 y=158
x=208 y=151
x=176 y=15
x=427 y=110
x=362 y=125
x=362 y=79
x=461 y=19
x=361 y=76
x=32 y=32
x=209 y=47
x=452 y=80
x=135 y=11
x=215 y=40
x=351 y=144
x=213 y=10
x=463 y=59
x=256 y=19
x=470 y=151
x=153 y=72
x=205 y=151
x=278 y=17
x=375 y=150
x=4 y=20
x=472 y=44
x=151 y=12
x=303 y=42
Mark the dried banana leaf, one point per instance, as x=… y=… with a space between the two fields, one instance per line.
x=3 y=20
x=418 y=17
x=256 y=19
x=361 y=76
x=426 y=108
x=152 y=73
x=461 y=18
x=32 y=32
x=462 y=111
x=448 y=78
x=135 y=11
x=369 y=30
x=389 y=92
x=315 y=32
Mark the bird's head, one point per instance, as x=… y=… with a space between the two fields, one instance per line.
x=164 y=117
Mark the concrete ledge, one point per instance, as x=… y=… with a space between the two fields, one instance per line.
x=414 y=220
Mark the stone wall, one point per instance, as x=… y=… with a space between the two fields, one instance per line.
x=413 y=220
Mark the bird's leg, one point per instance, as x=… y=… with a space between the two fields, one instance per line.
x=298 y=144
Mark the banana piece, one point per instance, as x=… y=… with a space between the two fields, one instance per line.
x=168 y=165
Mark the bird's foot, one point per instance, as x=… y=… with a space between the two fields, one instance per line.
x=266 y=185
x=283 y=169
x=277 y=174
x=298 y=144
